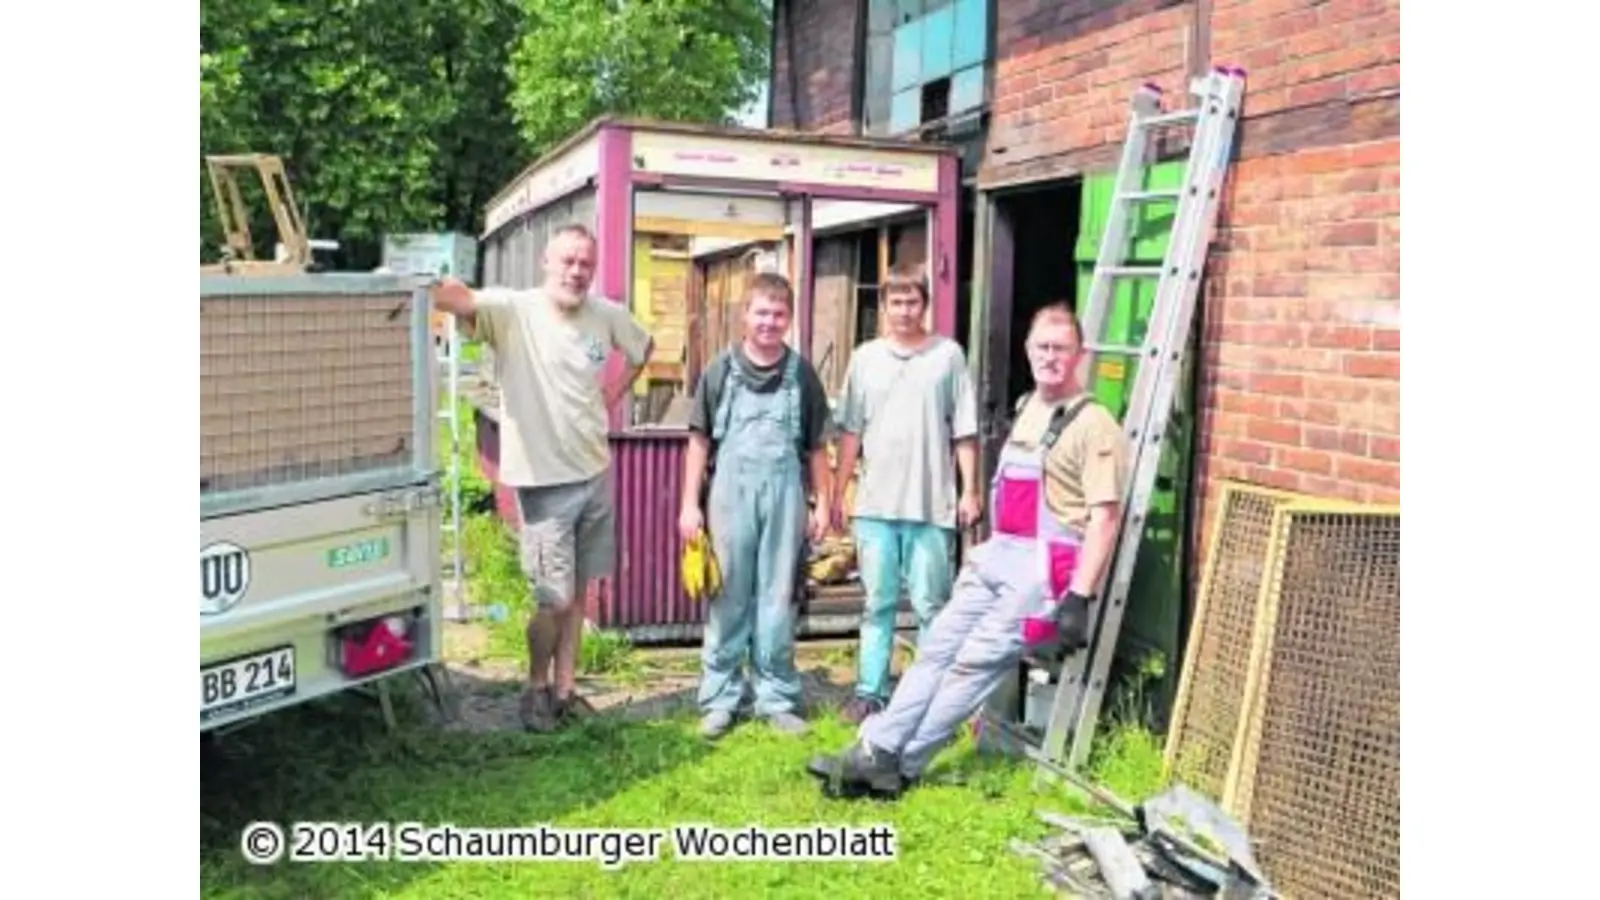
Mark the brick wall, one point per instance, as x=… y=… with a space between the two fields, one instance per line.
x=1064 y=72
x=1300 y=374
x=1301 y=386
x=824 y=54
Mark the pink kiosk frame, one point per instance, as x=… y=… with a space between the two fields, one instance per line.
x=620 y=163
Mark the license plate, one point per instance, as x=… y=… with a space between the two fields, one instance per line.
x=246 y=681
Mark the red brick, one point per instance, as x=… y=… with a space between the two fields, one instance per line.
x=1317 y=92
x=1247 y=404
x=1386 y=339
x=1375 y=80
x=1273 y=431
x=1366 y=471
x=1338 y=390
x=1373 y=365
x=1313 y=462
x=1351 y=234
x=1246 y=451
x=1360 y=181
x=1282 y=479
x=1276 y=383
x=1377 y=153
x=1333 y=489
x=1335 y=441
x=1342 y=337
x=1311 y=411
x=1385 y=447
x=1275 y=334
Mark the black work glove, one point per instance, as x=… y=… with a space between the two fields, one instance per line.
x=1072 y=629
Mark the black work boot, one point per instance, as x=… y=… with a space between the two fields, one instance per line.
x=860 y=769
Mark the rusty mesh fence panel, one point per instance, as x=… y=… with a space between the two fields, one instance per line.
x=1317 y=781
x=1205 y=720
x=295 y=388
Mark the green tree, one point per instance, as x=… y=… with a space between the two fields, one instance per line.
x=677 y=60
x=408 y=115
x=390 y=116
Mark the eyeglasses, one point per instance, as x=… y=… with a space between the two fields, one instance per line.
x=1052 y=349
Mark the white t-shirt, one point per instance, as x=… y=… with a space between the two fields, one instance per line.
x=553 y=427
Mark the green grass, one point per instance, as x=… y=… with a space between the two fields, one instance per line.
x=335 y=761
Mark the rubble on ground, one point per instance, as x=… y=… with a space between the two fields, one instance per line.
x=1176 y=846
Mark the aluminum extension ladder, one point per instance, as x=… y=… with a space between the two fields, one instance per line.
x=1081 y=682
x=449 y=359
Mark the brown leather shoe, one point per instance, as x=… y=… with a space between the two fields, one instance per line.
x=537 y=710
x=571 y=708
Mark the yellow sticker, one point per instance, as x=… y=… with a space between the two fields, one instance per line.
x=1113 y=369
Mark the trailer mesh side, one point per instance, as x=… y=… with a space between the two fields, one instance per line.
x=297 y=387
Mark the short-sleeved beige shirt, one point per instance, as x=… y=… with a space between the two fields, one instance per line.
x=548 y=364
x=1088 y=464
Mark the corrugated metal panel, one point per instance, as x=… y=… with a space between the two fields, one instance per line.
x=487 y=430
x=647 y=593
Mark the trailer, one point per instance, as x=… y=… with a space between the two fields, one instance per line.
x=320 y=498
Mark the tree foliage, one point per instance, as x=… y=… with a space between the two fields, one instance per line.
x=678 y=60
x=408 y=115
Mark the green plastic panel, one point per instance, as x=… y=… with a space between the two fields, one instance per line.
x=1155 y=602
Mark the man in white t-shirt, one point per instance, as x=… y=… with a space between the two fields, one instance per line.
x=910 y=413
x=550 y=346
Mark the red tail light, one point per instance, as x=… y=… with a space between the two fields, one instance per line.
x=375 y=646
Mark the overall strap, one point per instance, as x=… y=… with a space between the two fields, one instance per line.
x=1060 y=419
x=724 y=402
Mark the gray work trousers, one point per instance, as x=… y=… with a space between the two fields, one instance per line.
x=973 y=644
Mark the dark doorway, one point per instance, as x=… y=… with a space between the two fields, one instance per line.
x=1044 y=229
x=1031 y=250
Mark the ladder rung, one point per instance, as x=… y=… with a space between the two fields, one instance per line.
x=1180 y=117
x=1122 y=349
x=1133 y=271
x=1145 y=196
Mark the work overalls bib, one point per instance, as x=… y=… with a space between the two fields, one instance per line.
x=1029 y=548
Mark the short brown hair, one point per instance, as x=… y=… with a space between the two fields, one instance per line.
x=770 y=284
x=906 y=277
x=1058 y=311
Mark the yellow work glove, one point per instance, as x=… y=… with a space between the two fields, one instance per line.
x=702 y=577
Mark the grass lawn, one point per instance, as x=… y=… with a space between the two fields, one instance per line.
x=335 y=761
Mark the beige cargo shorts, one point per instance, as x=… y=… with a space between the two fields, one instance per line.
x=567 y=538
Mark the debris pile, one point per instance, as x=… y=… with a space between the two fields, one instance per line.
x=1176 y=846
x=832 y=561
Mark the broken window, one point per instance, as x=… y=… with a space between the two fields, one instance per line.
x=925 y=62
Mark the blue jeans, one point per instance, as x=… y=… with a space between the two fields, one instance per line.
x=896 y=555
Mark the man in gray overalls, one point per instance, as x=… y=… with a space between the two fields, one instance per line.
x=1055 y=500
x=759 y=418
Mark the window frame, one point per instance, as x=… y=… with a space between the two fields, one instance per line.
x=864 y=91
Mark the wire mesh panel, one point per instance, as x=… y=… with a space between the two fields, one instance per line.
x=1317 y=770
x=1205 y=719
x=301 y=385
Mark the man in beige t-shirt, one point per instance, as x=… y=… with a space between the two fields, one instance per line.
x=550 y=346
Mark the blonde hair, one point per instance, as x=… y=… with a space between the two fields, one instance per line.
x=770 y=285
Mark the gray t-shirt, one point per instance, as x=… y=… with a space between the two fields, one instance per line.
x=908 y=408
x=762 y=379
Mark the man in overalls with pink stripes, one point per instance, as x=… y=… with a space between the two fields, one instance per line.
x=1055 y=501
